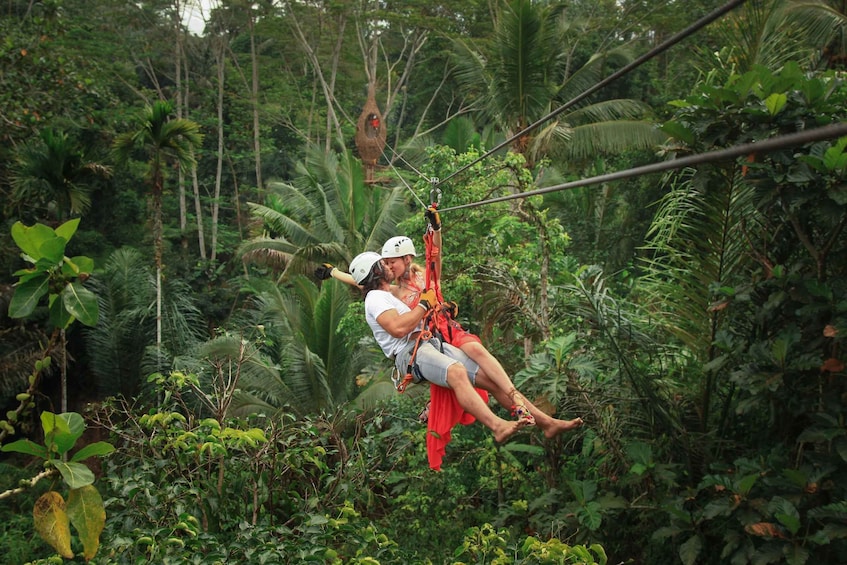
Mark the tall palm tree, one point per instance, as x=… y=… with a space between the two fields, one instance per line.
x=525 y=75
x=54 y=172
x=327 y=213
x=161 y=139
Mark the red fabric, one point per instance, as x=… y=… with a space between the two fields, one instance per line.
x=444 y=413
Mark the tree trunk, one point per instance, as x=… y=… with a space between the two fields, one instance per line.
x=179 y=55
x=254 y=98
x=219 y=59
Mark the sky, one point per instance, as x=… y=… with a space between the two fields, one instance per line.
x=195 y=13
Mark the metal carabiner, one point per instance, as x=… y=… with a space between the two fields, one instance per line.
x=435 y=191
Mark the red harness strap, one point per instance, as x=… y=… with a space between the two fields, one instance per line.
x=430 y=320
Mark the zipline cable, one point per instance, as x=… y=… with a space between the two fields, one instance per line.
x=670 y=42
x=765 y=146
x=397 y=172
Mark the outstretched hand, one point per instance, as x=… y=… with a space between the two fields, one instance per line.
x=428 y=299
x=433 y=217
x=324 y=272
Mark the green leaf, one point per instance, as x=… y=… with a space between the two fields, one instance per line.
x=746 y=484
x=76 y=475
x=82 y=264
x=51 y=422
x=88 y=516
x=68 y=229
x=81 y=303
x=27 y=294
x=677 y=131
x=29 y=239
x=790 y=521
x=775 y=102
x=52 y=252
x=64 y=430
x=59 y=316
x=92 y=449
x=835 y=159
x=690 y=550
x=28 y=447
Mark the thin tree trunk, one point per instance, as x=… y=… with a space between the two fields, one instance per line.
x=219 y=58
x=183 y=213
x=198 y=211
x=254 y=96
x=158 y=244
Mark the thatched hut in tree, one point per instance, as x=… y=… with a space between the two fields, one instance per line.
x=370 y=135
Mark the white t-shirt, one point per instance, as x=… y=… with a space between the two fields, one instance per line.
x=377 y=302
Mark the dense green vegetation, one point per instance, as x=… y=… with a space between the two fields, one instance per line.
x=167 y=356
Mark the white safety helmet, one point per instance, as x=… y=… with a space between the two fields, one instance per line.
x=398 y=246
x=362 y=265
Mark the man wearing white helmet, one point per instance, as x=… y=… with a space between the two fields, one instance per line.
x=396 y=327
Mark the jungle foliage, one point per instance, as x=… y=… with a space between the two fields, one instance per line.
x=172 y=190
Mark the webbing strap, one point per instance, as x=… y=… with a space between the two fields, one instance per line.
x=429 y=321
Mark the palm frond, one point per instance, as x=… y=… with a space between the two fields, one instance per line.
x=612 y=137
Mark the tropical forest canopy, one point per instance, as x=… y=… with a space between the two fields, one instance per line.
x=196 y=394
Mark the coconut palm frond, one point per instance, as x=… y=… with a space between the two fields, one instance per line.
x=607 y=110
x=282 y=224
x=328 y=213
x=587 y=141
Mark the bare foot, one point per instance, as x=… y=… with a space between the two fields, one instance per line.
x=507 y=429
x=558 y=426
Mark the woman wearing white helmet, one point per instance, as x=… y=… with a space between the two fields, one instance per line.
x=395 y=327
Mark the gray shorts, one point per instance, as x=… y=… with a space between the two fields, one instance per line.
x=432 y=363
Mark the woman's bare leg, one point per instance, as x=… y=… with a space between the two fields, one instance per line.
x=493 y=378
x=470 y=401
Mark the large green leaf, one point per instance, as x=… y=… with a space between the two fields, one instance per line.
x=98 y=448
x=62 y=430
x=76 y=475
x=88 y=516
x=27 y=294
x=30 y=239
x=26 y=446
x=67 y=230
x=81 y=302
x=51 y=252
x=58 y=314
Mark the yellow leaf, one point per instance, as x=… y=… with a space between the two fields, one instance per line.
x=51 y=522
x=87 y=514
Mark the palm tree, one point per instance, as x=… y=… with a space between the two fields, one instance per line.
x=825 y=22
x=314 y=362
x=55 y=173
x=328 y=213
x=161 y=139
x=520 y=80
x=525 y=74
x=120 y=348
x=769 y=34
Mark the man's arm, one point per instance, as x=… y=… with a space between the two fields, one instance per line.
x=401 y=325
